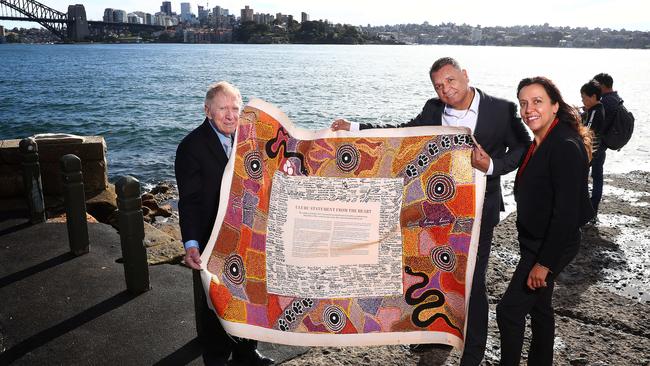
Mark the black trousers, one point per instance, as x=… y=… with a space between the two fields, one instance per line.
x=519 y=300
x=216 y=342
x=477 y=314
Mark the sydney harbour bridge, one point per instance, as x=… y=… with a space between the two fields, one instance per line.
x=72 y=26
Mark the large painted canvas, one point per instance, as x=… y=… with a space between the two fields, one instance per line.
x=344 y=238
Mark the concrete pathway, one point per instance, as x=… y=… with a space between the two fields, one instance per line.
x=59 y=309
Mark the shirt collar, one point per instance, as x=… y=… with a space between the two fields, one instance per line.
x=473 y=107
x=224 y=139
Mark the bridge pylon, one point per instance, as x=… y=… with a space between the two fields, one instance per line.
x=77 y=29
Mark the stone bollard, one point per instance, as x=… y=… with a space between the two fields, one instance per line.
x=75 y=204
x=32 y=180
x=131 y=226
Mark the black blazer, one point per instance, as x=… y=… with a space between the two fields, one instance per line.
x=499 y=131
x=552 y=196
x=199 y=166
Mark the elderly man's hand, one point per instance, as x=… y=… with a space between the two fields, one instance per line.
x=341 y=124
x=480 y=159
x=193 y=258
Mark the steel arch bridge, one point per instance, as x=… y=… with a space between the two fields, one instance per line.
x=70 y=26
x=53 y=20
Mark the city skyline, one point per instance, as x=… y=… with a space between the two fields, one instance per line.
x=623 y=14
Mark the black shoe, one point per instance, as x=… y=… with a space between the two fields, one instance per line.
x=426 y=347
x=250 y=358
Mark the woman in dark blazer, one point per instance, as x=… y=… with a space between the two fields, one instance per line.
x=552 y=204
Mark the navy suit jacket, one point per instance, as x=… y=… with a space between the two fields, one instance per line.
x=199 y=166
x=499 y=131
x=552 y=196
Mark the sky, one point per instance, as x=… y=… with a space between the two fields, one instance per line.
x=614 y=14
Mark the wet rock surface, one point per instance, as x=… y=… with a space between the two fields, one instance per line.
x=162 y=233
x=601 y=300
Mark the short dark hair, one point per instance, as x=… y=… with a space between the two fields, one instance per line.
x=605 y=80
x=442 y=62
x=591 y=88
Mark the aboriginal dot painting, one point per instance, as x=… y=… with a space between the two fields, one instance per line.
x=441 y=195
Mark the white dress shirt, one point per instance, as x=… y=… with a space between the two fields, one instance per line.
x=455 y=118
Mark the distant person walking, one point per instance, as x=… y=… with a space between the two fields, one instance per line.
x=594 y=118
x=552 y=204
x=200 y=161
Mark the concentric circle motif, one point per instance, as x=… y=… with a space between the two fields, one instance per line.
x=444 y=258
x=441 y=188
x=347 y=158
x=334 y=318
x=253 y=165
x=234 y=269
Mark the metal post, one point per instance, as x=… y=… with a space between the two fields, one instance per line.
x=131 y=226
x=75 y=204
x=32 y=180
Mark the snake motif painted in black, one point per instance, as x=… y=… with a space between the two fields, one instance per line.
x=280 y=140
x=421 y=305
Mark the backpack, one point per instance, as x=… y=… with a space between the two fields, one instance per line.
x=620 y=129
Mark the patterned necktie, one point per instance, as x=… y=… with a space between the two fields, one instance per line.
x=227 y=146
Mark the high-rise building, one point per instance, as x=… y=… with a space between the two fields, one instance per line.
x=134 y=18
x=166 y=7
x=108 y=15
x=280 y=18
x=119 y=16
x=186 y=13
x=246 y=14
x=304 y=17
x=261 y=18
x=146 y=17
x=163 y=19
x=203 y=14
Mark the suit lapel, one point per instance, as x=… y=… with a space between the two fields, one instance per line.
x=213 y=142
x=482 y=122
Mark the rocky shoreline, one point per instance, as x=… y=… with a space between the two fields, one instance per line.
x=601 y=300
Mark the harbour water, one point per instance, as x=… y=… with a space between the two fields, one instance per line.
x=144 y=98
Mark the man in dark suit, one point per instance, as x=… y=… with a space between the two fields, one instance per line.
x=502 y=139
x=200 y=161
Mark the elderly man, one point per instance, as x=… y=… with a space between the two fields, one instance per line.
x=200 y=161
x=502 y=139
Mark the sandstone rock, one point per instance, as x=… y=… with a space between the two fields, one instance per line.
x=147 y=197
x=161 y=247
x=170 y=228
x=102 y=205
x=61 y=218
x=161 y=188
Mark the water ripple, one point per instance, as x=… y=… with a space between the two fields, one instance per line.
x=144 y=98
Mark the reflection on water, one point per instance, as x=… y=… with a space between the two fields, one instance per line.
x=144 y=98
